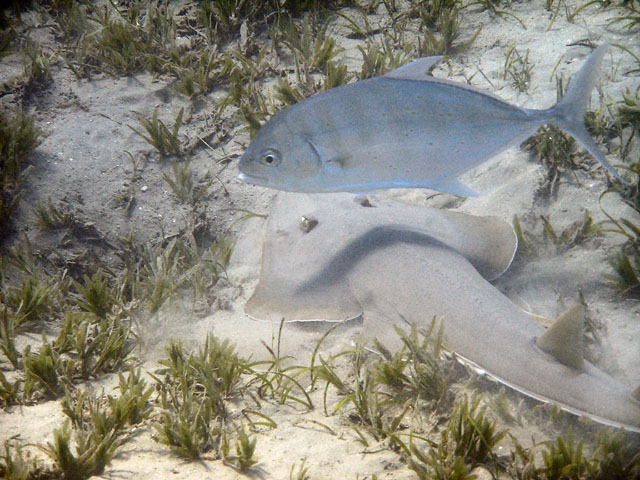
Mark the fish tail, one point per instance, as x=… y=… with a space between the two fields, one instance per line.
x=568 y=113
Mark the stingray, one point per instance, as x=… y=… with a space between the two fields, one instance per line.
x=330 y=258
x=306 y=266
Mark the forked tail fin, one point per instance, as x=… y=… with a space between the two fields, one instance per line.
x=568 y=113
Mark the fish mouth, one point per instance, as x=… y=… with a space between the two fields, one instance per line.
x=252 y=179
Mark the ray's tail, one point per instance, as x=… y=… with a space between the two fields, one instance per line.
x=568 y=113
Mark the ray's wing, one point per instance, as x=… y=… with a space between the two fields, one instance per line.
x=313 y=242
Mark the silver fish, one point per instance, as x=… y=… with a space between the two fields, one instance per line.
x=404 y=129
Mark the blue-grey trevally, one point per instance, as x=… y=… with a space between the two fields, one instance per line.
x=404 y=129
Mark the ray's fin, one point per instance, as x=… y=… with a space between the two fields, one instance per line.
x=636 y=394
x=563 y=339
x=416 y=70
x=544 y=321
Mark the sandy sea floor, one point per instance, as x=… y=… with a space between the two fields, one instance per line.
x=82 y=165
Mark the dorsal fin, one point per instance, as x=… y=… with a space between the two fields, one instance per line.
x=416 y=70
x=563 y=339
x=636 y=393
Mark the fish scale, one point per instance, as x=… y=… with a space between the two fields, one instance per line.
x=405 y=142
x=404 y=129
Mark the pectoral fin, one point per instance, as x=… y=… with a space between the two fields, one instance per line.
x=328 y=156
x=416 y=70
x=563 y=339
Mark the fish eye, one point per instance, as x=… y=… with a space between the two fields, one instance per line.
x=270 y=157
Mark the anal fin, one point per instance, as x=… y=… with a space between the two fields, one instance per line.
x=455 y=187
x=563 y=339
